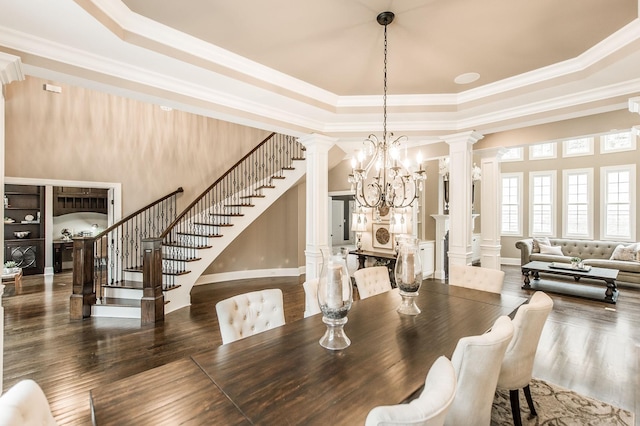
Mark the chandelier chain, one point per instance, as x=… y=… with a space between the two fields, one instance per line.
x=384 y=97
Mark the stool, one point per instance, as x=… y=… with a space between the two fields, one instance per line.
x=16 y=277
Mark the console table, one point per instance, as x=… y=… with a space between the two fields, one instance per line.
x=386 y=259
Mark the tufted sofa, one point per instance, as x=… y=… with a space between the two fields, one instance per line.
x=594 y=253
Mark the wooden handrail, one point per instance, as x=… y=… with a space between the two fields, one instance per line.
x=137 y=212
x=206 y=191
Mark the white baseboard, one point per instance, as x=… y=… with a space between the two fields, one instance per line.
x=510 y=261
x=255 y=273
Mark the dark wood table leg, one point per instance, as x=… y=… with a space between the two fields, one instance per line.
x=361 y=259
x=610 y=295
x=527 y=281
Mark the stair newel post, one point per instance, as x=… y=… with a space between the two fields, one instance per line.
x=83 y=269
x=152 y=303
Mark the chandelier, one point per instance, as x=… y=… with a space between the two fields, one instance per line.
x=379 y=178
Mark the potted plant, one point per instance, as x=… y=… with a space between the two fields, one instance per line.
x=11 y=267
x=576 y=262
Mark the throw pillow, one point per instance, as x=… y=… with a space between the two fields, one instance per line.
x=626 y=253
x=538 y=241
x=549 y=249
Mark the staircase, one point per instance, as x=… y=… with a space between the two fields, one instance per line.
x=125 y=277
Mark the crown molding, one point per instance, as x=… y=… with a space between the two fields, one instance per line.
x=10 y=68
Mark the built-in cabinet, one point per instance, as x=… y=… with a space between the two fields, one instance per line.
x=24 y=213
x=68 y=199
x=427 y=254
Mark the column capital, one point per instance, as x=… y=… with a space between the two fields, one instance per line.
x=469 y=137
x=634 y=104
x=319 y=142
x=495 y=152
x=10 y=68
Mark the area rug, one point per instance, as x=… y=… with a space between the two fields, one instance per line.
x=558 y=406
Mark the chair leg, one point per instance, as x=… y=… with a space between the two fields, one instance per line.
x=515 y=407
x=527 y=395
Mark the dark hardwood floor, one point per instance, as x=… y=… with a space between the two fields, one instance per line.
x=588 y=346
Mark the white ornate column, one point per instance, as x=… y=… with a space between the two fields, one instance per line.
x=490 y=219
x=460 y=221
x=10 y=70
x=317 y=205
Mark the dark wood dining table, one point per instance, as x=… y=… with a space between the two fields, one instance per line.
x=283 y=376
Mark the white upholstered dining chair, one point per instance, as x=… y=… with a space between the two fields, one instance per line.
x=517 y=365
x=430 y=408
x=25 y=404
x=311 y=306
x=477 y=361
x=476 y=277
x=250 y=313
x=372 y=281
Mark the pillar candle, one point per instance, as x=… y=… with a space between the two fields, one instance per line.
x=334 y=287
x=408 y=273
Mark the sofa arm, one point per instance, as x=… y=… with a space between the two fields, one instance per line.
x=526 y=248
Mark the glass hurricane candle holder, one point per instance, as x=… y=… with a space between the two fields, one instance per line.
x=408 y=273
x=335 y=297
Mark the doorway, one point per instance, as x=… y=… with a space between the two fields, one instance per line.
x=340 y=212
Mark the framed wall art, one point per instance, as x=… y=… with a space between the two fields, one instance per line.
x=382 y=238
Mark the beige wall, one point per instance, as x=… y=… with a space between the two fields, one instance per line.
x=85 y=135
x=271 y=242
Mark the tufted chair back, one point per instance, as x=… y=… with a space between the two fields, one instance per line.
x=517 y=365
x=372 y=281
x=25 y=404
x=477 y=361
x=476 y=277
x=250 y=313
x=430 y=408
x=311 y=306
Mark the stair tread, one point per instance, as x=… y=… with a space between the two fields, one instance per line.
x=119 y=302
x=226 y=214
x=212 y=224
x=266 y=186
x=239 y=205
x=278 y=177
x=136 y=285
x=177 y=259
x=199 y=235
x=185 y=246
x=139 y=269
x=253 y=196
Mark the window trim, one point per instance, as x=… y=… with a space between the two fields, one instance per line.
x=554 y=153
x=518 y=149
x=554 y=202
x=519 y=176
x=632 y=201
x=566 y=142
x=604 y=150
x=590 y=202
